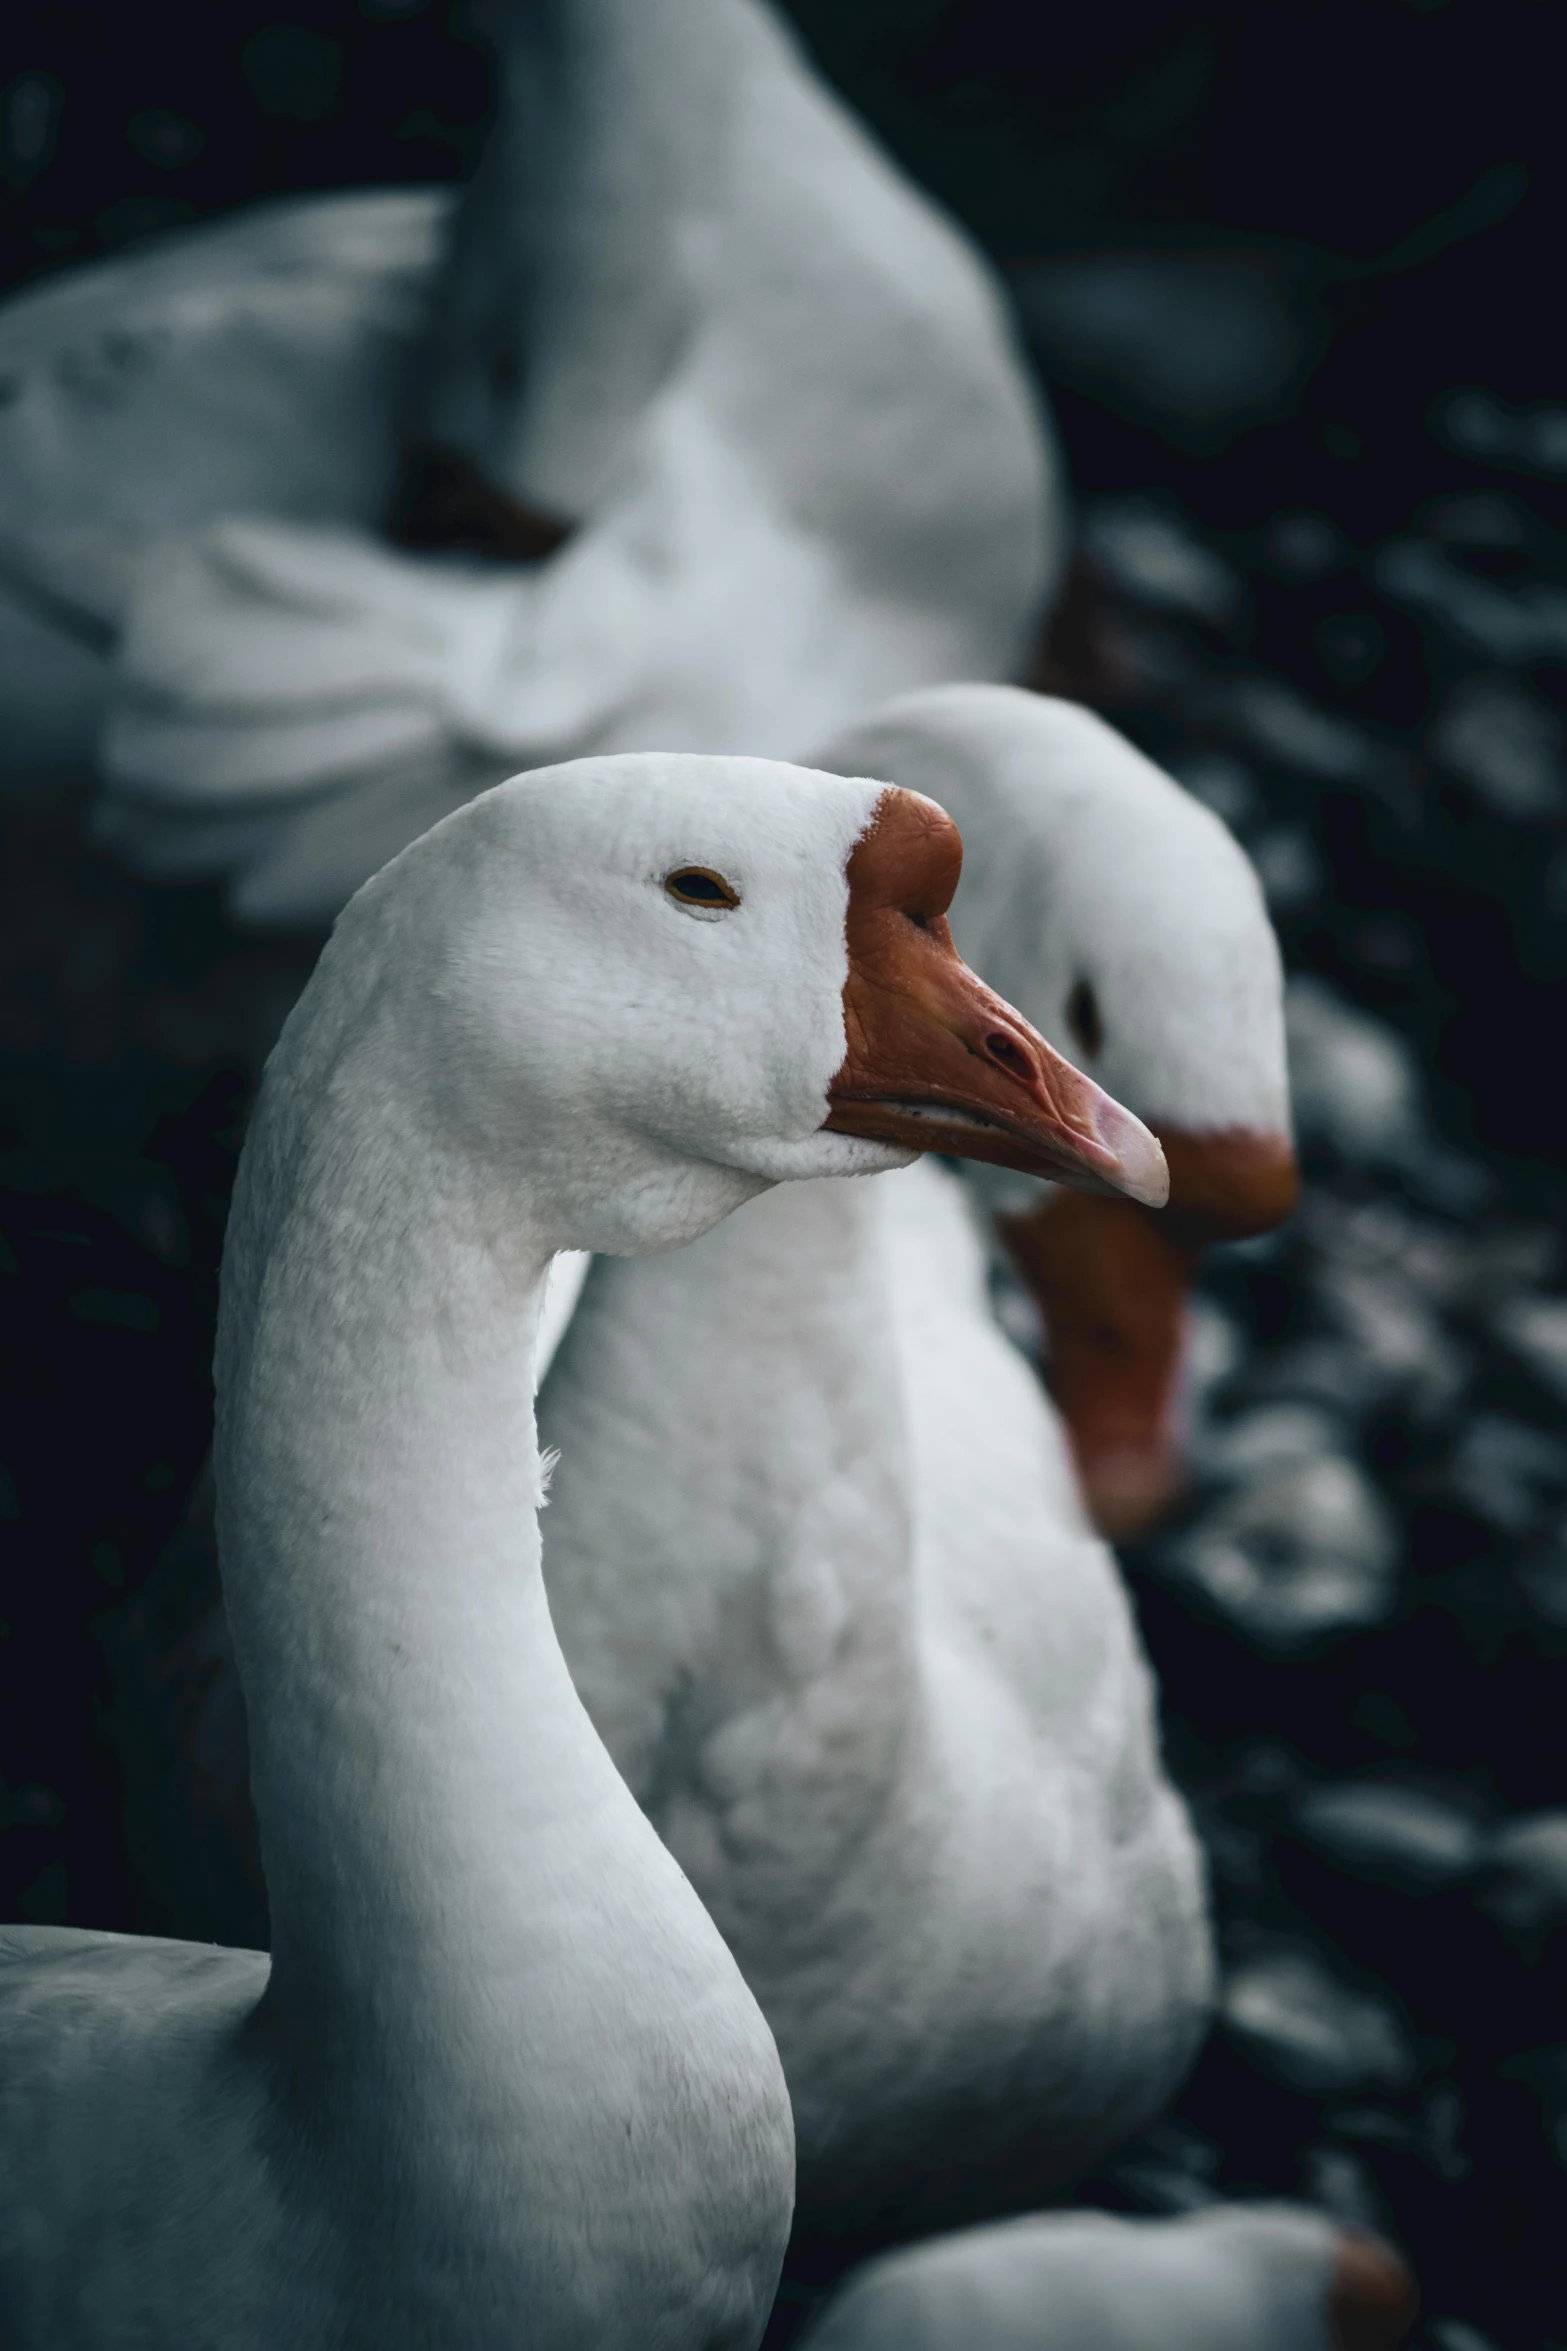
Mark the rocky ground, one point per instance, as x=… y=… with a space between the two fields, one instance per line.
x=1360 y=1619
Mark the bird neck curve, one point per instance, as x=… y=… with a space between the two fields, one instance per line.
x=378 y=1475
x=499 y=2023
x=441 y=1828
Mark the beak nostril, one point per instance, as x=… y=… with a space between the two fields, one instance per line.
x=1010 y=1056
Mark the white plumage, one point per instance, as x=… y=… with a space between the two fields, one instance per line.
x=502 y=2079
x=823 y=1577
x=1250 y=2277
x=687 y=307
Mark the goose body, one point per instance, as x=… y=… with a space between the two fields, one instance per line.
x=876 y=1682
x=688 y=319
x=257 y=364
x=822 y=1574
x=501 y=2079
x=1241 y=2277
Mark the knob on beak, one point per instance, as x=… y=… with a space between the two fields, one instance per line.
x=936 y=1060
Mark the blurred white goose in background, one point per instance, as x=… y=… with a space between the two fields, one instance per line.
x=691 y=330
x=261 y=363
x=1129 y=926
x=1248 y=2277
x=501 y=2077
x=820 y=1569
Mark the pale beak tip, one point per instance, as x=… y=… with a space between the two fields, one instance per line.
x=1141 y=1172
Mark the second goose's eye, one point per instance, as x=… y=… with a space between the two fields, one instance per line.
x=1084 y=1018
x=702 y=890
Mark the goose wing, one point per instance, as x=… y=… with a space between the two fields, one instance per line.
x=255 y=363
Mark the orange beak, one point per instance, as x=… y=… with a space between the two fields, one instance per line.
x=1372 y=2299
x=938 y=1062
x=1111 y=1282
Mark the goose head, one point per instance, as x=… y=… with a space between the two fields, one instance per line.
x=641 y=988
x=935 y=1060
x=1129 y=927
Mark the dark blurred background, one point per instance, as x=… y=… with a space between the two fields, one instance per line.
x=1292 y=276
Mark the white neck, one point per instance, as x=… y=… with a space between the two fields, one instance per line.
x=481 y=1952
x=381 y=1557
x=570 y=265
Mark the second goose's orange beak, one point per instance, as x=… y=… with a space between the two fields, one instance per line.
x=938 y=1062
x=1111 y=1283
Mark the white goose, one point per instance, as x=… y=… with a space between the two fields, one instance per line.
x=1235 y=2277
x=821 y=1573
x=1124 y=920
x=501 y=2080
x=688 y=308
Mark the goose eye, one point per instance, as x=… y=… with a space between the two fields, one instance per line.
x=1084 y=1018
x=698 y=886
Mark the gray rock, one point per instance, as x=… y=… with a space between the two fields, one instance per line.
x=1535 y=1330
x=1506 y=1263
x=1534 y=439
x=1301 y=1551
x=1338 y=2182
x=1221 y=782
x=1172 y=2169
x=1455 y=2334
x=1287 y=2012
x=1510 y=625
x=30 y=111
x=1325 y=1371
x=1489 y=522
x=1508 y=1472
x=1542 y=1575
x=1198 y=345
x=1353 y=1080
x=1236 y=1450
x=1149 y=555
x=1271 y=719
x=1288 y=866
x=1401 y=1837
x=1432 y=2135
x=1305 y=546
x=1383 y=1238
x=1524 y=1882
x=1215 y=1347
x=1399 y=1340
x=1506 y=743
